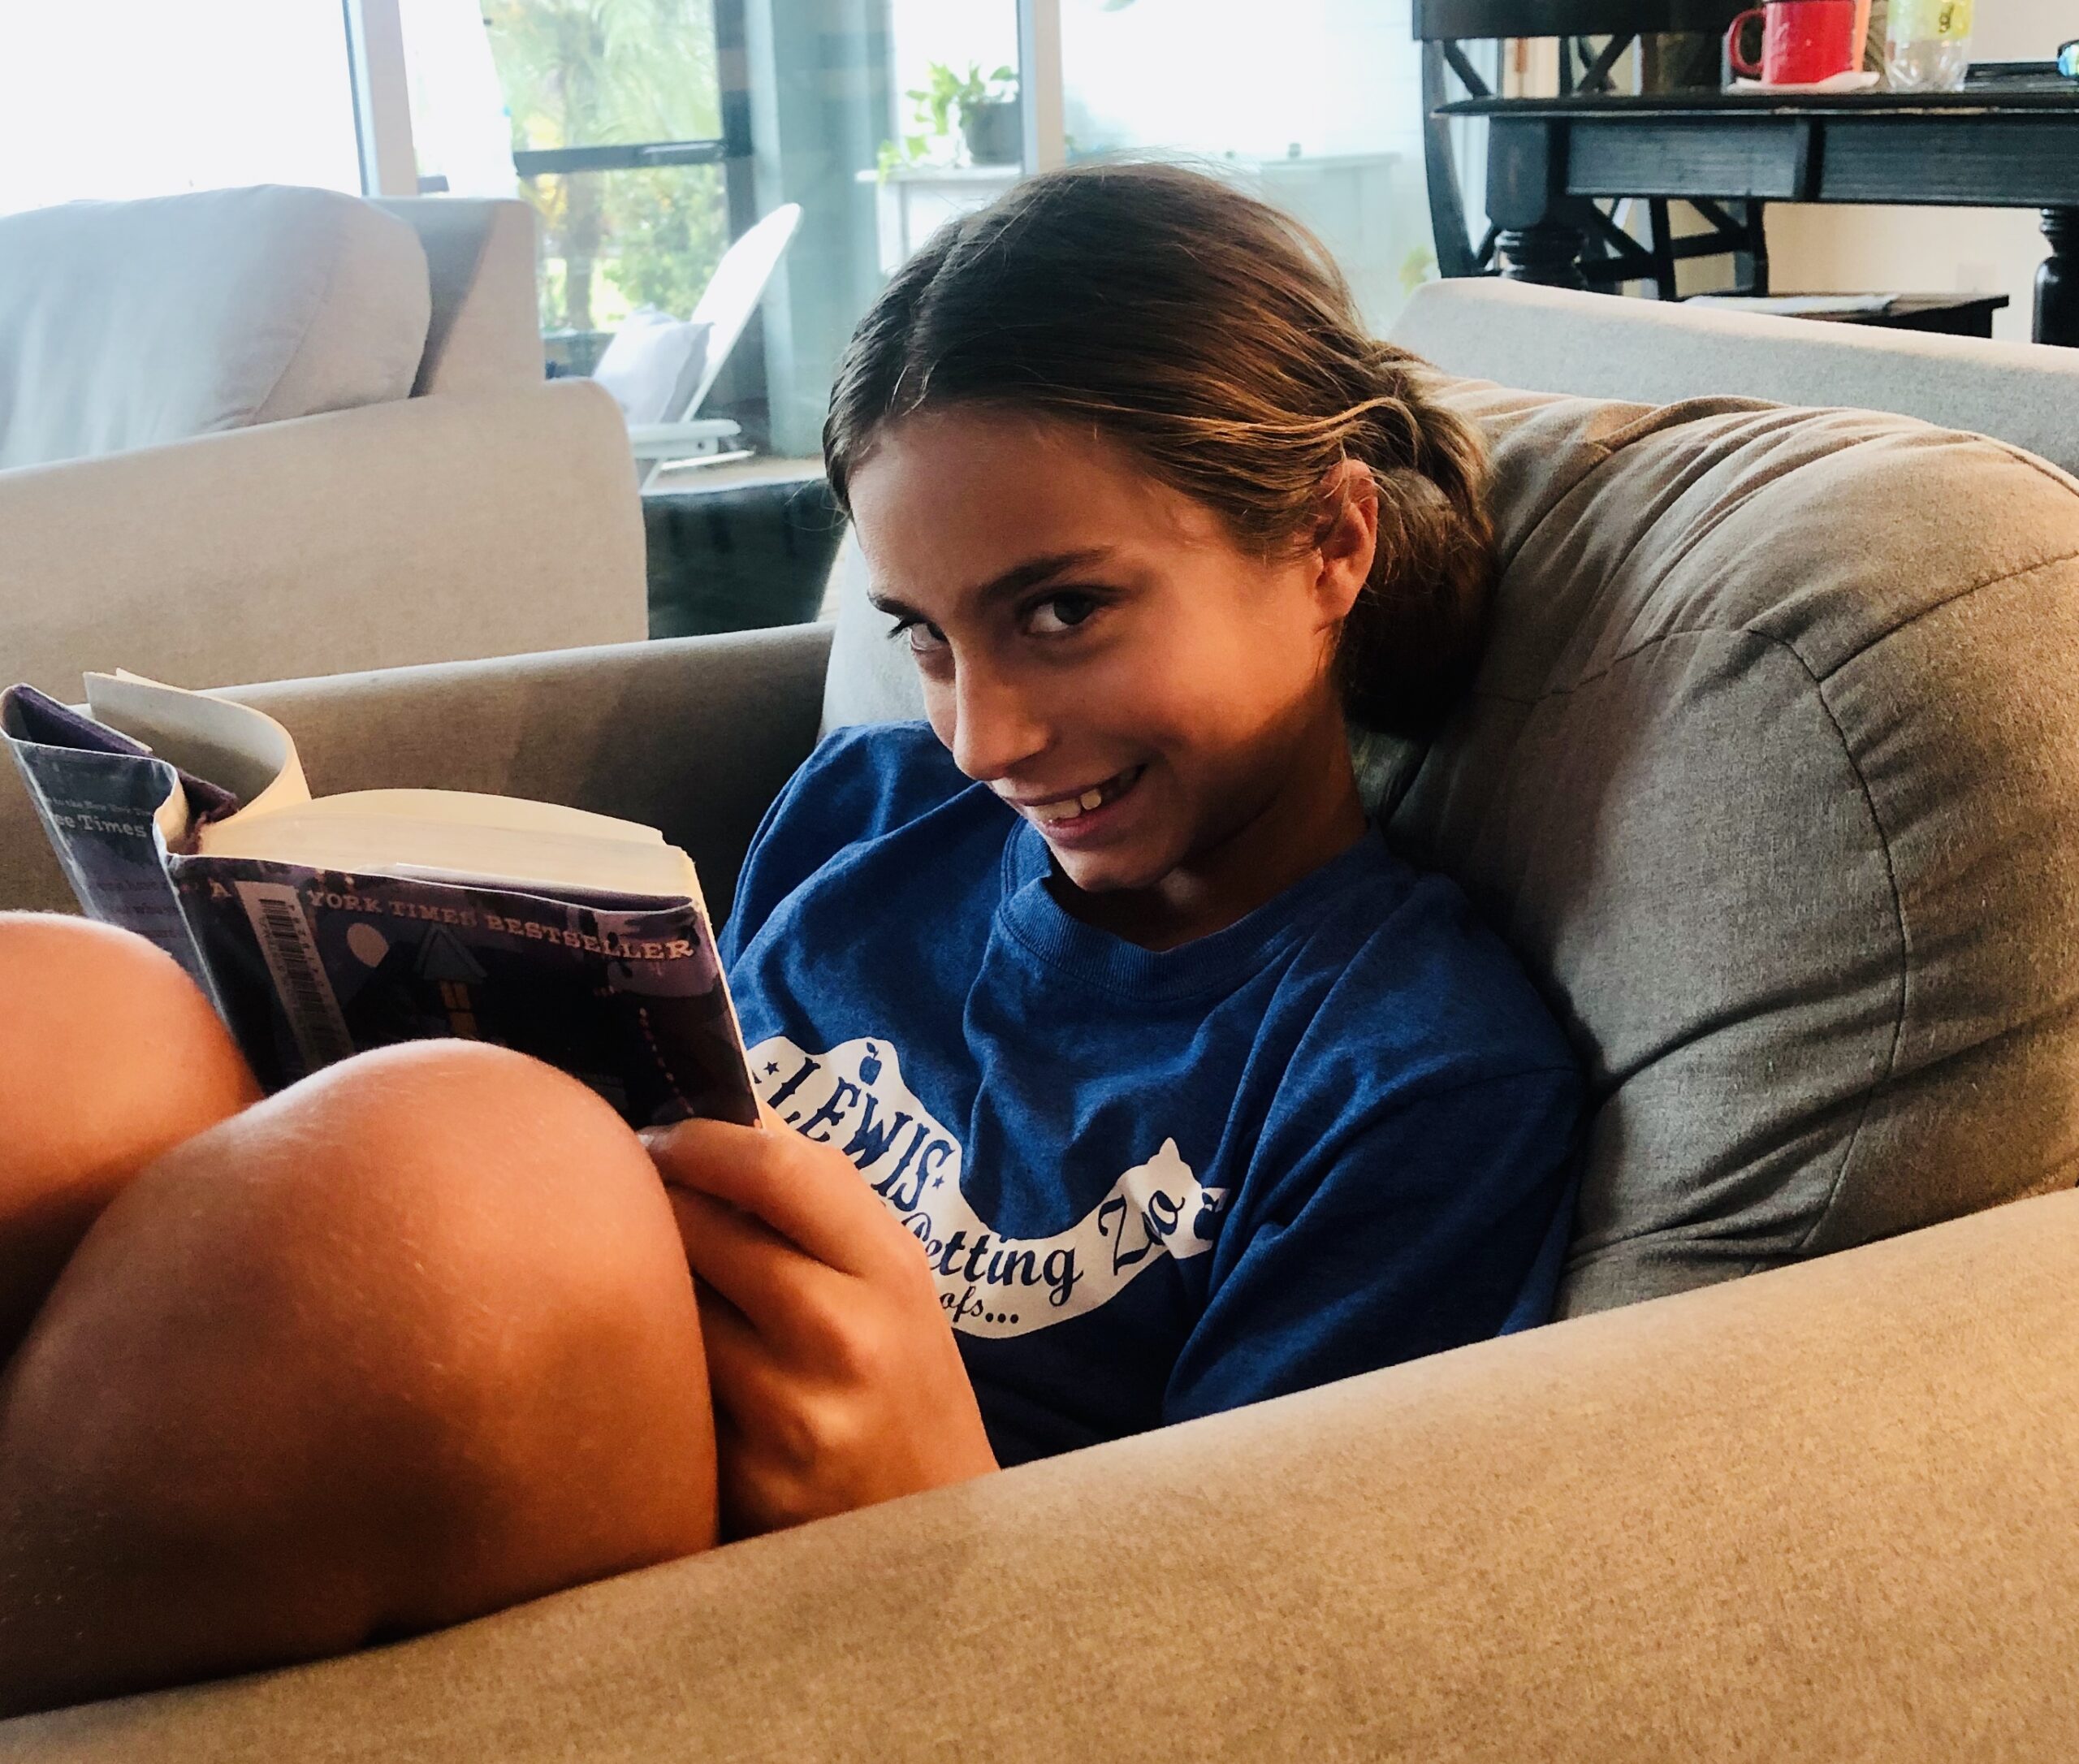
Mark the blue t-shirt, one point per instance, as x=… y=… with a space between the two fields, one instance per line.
x=1152 y=1184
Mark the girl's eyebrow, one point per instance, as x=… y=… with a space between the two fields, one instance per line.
x=1014 y=581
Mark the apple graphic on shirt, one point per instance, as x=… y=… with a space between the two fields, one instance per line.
x=869 y=1066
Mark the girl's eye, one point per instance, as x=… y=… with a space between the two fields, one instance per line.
x=1052 y=615
x=1066 y=611
x=920 y=635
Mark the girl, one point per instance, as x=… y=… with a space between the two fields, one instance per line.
x=1171 y=1088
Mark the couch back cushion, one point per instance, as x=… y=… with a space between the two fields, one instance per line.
x=1771 y=776
x=127 y=324
x=481 y=255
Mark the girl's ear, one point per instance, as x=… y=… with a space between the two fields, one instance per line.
x=1347 y=537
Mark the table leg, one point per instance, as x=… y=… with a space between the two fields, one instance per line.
x=1549 y=253
x=2057 y=280
x=1536 y=239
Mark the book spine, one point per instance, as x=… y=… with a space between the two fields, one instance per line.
x=100 y=813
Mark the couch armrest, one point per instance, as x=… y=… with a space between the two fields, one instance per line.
x=695 y=736
x=1819 y=1513
x=1551 y=339
x=425 y=530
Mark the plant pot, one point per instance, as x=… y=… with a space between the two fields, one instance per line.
x=994 y=133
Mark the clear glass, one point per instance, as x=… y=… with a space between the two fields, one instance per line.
x=616 y=241
x=1316 y=108
x=139 y=98
x=462 y=134
x=1927 y=45
x=491 y=78
x=950 y=59
x=592 y=73
x=1929 y=64
x=878 y=132
x=1315 y=104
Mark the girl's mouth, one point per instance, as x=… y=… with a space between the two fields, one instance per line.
x=1071 y=821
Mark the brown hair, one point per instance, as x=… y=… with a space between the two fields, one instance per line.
x=1214 y=338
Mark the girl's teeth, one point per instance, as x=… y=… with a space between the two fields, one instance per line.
x=1090 y=799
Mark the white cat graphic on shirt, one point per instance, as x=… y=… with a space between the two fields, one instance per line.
x=854 y=1097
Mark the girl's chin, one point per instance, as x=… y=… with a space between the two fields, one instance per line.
x=1108 y=872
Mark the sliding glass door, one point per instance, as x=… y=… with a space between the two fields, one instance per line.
x=609 y=117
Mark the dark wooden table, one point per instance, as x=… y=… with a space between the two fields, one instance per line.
x=2015 y=146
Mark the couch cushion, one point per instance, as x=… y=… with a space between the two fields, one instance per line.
x=485 y=332
x=654 y=365
x=127 y=324
x=1771 y=776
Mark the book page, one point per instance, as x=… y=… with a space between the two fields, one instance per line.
x=455 y=833
x=244 y=750
x=473 y=808
x=326 y=837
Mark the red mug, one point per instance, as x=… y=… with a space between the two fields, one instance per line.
x=1802 y=42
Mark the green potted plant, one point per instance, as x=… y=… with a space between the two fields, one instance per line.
x=984 y=108
x=990 y=122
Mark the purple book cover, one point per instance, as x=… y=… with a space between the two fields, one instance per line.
x=307 y=966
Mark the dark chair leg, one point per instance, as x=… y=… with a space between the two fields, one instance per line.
x=1660 y=243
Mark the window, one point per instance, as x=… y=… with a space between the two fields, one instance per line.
x=648 y=133
x=1315 y=105
x=607 y=115
x=138 y=98
x=1319 y=111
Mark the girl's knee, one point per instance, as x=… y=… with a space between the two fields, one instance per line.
x=515 y=1172
x=425 y=1312
x=109 y=1056
x=539 y=1339
x=107 y=1049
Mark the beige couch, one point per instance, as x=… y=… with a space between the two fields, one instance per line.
x=256 y=434
x=1771 y=777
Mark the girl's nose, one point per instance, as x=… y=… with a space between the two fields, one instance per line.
x=996 y=726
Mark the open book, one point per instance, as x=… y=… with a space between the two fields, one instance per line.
x=321 y=926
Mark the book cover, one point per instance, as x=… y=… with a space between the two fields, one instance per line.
x=307 y=966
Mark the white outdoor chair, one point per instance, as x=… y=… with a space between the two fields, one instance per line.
x=660 y=370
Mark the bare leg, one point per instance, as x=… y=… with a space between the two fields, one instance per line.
x=410 y=1342
x=109 y=1056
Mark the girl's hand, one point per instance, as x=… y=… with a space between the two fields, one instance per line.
x=836 y=1378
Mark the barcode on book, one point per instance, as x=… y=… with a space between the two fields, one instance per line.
x=276 y=910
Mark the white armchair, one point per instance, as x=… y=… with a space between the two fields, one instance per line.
x=660 y=370
x=252 y=433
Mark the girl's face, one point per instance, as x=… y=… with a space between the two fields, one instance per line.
x=1095 y=648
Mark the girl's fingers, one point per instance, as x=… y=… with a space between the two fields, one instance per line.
x=741 y=1376
x=761 y=1487
x=805 y=1192
x=739 y=1477
x=768 y=1280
